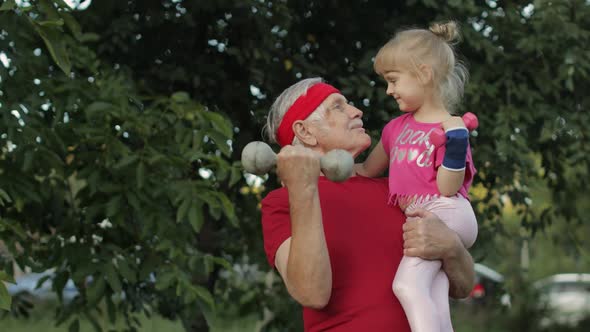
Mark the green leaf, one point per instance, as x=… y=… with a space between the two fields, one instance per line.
x=5 y=299
x=220 y=141
x=89 y=37
x=47 y=7
x=72 y=24
x=74 y=326
x=149 y=265
x=228 y=208
x=126 y=271
x=181 y=97
x=127 y=160
x=28 y=162
x=51 y=23
x=220 y=123
x=8 y=5
x=140 y=175
x=56 y=45
x=114 y=206
x=41 y=281
x=6 y=277
x=165 y=279
x=133 y=201
x=183 y=209
x=14 y=226
x=236 y=175
x=113 y=278
x=111 y=310
x=99 y=107
x=204 y=294
x=59 y=282
x=96 y=290
x=4 y=198
x=195 y=216
x=93 y=321
x=218 y=260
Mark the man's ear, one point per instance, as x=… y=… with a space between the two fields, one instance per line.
x=305 y=133
x=425 y=74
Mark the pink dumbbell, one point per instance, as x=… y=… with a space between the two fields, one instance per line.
x=438 y=137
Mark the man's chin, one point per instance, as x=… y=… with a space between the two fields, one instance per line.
x=363 y=144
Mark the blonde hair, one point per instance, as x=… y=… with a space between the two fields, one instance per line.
x=413 y=47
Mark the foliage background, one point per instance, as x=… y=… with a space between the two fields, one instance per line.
x=121 y=125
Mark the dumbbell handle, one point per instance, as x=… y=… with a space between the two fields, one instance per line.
x=258 y=158
x=438 y=137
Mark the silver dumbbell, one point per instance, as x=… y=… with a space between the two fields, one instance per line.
x=258 y=158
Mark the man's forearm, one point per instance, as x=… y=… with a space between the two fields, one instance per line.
x=458 y=265
x=308 y=269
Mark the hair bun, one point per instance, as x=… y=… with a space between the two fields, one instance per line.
x=448 y=31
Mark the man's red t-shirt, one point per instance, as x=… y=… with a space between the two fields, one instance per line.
x=364 y=239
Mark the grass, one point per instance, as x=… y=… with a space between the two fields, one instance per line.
x=475 y=318
x=41 y=320
x=465 y=319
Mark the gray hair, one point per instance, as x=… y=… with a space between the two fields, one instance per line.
x=284 y=102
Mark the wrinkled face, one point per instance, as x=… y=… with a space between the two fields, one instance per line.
x=341 y=127
x=407 y=90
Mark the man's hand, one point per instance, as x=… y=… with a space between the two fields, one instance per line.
x=427 y=237
x=298 y=166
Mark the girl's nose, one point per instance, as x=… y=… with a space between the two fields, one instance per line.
x=389 y=90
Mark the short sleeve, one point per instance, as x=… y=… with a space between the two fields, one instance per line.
x=439 y=156
x=386 y=134
x=469 y=169
x=276 y=222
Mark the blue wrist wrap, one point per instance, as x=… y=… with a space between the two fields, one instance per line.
x=456 y=149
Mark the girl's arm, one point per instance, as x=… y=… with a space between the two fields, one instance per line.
x=375 y=164
x=449 y=182
x=451 y=174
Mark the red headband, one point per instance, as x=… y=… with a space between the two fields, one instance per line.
x=301 y=109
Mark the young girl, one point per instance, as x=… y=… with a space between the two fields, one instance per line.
x=427 y=82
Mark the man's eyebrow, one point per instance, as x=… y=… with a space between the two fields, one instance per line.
x=339 y=99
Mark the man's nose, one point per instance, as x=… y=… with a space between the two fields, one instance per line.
x=354 y=112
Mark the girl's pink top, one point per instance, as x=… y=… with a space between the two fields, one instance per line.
x=414 y=161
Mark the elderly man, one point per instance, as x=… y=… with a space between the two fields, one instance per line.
x=337 y=246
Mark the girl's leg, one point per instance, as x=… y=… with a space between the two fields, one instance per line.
x=412 y=287
x=440 y=296
x=457 y=213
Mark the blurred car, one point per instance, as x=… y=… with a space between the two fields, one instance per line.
x=26 y=285
x=489 y=287
x=566 y=296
